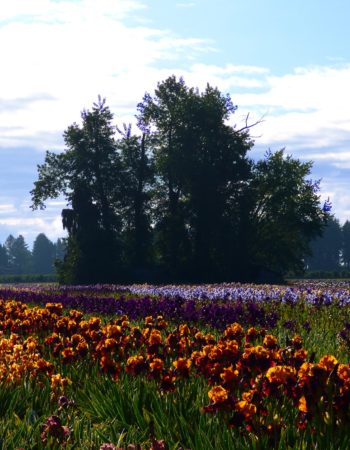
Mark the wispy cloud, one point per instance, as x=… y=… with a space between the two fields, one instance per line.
x=7 y=208
x=61 y=55
x=31 y=227
x=185 y=4
x=306 y=110
x=50 y=11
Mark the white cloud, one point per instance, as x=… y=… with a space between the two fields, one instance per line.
x=31 y=227
x=7 y=208
x=230 y=69
x=54 y=203
x=54 y=67
x=307 y=112
x=48 y=11
x=62 y=54
x=308 y=107
x=226 y=77
x=59 y=55
x=342 y=165
x=304 y=111
x=341 y=156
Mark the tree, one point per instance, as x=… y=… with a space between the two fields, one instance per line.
x=285 y=213
x=87 y=175
x=60 y=249
x=326 y=249
x=346 y=244
x=43 y=255
x=214 y=173
x=182 y=197
x=9 y=243
x=201 y=167
x=165 y=114
x=3 y=260
x=138 y=176
x=19 y=256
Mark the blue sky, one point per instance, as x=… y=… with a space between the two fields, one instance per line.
x=285 y=62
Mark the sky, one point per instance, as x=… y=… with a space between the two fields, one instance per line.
x=286 y=64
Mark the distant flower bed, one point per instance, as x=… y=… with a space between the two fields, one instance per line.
x=109 y=367
x=314 y=292
x=94 y=300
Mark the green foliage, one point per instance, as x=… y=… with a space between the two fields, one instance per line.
x=27 y=278
x=286 y=213
x=201 y=166
x=130 y=410
x=43 y=255
x=18 y=263
x=138 y=177
x=60 y=249
x=181 y=200
x=346 y=244
x=87 y=175
x=326 y=249
x=19 y=256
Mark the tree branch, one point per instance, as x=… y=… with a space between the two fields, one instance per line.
x=247 y=126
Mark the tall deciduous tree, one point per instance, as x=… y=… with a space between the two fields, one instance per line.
x=137 y=180
x=164 y=114
x=286 y=213
x=182 y=196
x=87 y=175
x=201 y=168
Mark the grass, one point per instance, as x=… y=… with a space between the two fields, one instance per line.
x=133 y=410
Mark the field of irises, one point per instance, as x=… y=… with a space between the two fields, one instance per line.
x=225 y=366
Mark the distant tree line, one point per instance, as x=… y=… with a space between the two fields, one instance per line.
x=180 y=199
x=17 y=259
x=331 y=251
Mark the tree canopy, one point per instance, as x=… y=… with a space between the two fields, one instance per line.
x=43 y=255
x=201 y=168
x=346 y=244
x=286 y=213
x=87 y=174
x=326 y=250
x=17 y=259
x=180 y=199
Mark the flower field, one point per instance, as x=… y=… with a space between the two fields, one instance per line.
x=175 y=367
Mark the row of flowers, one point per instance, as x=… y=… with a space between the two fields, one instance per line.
x=249 y=375
x=315 y=293
x=214 y=314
